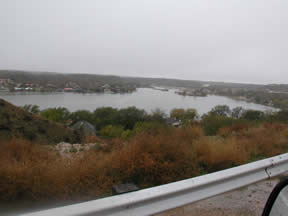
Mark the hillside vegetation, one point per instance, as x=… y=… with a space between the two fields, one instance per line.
x=94 y=80
x=17 y=123
x=149 y=152
x=30 y=171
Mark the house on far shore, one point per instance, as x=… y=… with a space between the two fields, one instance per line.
x=107 y=88
x=68 y=89
x=6 y=81
x=84 y=127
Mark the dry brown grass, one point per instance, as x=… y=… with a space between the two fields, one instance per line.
x=30 y=171
x=216 y=153
x=234 y=129
x=265 y=141
x=91 y=139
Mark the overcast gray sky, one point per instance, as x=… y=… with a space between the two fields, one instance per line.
x=223 y=40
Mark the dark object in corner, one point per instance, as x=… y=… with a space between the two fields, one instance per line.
x=124 y=188
x=277 y=204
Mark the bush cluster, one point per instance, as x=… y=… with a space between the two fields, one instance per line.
x=31 y=171
x=109 y=120
x=143 y=149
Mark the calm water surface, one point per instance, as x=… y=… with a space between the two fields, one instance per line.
x=144 y=98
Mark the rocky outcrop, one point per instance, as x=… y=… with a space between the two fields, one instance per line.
x=67 y=149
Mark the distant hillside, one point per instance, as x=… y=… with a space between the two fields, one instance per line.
x=91 y=81
x=278 y=88
x=15 y=122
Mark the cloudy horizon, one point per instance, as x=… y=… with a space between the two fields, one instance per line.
x=224 y=40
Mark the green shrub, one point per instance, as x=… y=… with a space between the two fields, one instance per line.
x=128 y=117
x=104 y=116
x=221 y=110
x=82 y=115
x=31 y=108
x=112 y=131
x=253 y=115
x=184 y=115
x=73 y=150
x=212 y=123
x=127 y=134
x=149 y=127
x=59 y=114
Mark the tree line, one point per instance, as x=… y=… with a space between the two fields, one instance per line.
x=125 y=122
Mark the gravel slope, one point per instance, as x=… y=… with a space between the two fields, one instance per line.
x=246 y=201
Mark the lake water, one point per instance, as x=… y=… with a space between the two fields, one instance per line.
x=144 y=98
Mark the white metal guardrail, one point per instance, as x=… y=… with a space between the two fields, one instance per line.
x=162 y=198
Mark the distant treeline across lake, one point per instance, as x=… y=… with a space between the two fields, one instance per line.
x=143 y=98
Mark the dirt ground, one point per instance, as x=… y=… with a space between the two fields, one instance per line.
x=246 y=201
